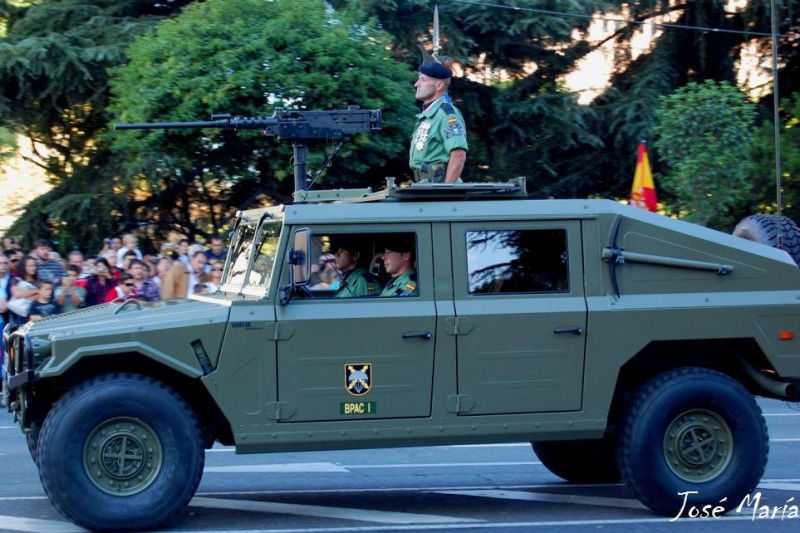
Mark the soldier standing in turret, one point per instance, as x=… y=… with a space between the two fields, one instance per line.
x=439 y=142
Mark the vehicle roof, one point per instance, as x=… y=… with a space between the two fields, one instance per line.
x=453 y=211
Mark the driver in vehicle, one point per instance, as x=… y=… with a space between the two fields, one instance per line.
x=356 y=279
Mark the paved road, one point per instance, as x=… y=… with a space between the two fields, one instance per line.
x=450 y=488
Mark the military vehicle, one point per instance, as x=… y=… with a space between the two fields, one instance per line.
x=623 y=344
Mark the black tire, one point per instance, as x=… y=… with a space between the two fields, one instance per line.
x=693 y=429
x=764 y=229
x=82 y=441
x=32 y=438
x=580 y=461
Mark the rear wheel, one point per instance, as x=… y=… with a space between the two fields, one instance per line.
x=580 y=461
x=764 y=229
x=693 y=430
x=120 y=452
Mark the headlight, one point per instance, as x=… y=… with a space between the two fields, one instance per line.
x=20 y=362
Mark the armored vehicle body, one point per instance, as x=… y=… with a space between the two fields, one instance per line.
x=623 y=344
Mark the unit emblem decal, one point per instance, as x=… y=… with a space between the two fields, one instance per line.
x=358 y=378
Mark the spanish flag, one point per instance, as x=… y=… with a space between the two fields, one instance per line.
x=643 y=193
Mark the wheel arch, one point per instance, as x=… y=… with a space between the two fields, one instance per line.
x=741 y=359
x=48 y=391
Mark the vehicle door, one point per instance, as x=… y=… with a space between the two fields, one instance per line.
x=520 y=316
x=358 y=357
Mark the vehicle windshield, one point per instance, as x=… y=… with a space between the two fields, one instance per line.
x=252 y=257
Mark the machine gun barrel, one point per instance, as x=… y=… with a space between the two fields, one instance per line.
x=249 y=123
x=299 y=126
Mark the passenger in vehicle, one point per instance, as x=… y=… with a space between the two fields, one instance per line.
x=356 y=279
x=398 y=259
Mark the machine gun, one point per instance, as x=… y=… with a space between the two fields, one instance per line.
x=299 y=126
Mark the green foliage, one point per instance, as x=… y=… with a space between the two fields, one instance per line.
x=53 y=70
x=704 y=134
x=249 y=57
x=762 y=173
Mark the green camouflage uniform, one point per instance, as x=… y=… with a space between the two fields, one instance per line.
x=403 y=285
x=358 y=282
x=440 y=129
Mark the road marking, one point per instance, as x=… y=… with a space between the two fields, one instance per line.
x=289 y=468
x=16 y=523
x=500 y=445
x=784 y=440
x=278 y=468
x=777 y=485
x=485 y=525
x=546 y=497
x=362 y=515
x=441 y=465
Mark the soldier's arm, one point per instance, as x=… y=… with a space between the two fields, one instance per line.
x=455 y=165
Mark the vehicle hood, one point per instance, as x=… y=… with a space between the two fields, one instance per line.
x=164 y=331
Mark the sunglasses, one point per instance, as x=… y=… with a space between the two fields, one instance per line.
x=129 y=284
x=217 y=269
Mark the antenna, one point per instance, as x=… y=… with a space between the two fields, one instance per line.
x=776 y=119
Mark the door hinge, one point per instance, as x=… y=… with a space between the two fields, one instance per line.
x=458 y=325
x=278 y=331
x=280 y=411
x=460 y=404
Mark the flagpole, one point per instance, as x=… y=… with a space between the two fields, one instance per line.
x=776 y=118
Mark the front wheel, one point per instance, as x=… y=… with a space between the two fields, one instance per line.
x=693 y=436
x=120 y=452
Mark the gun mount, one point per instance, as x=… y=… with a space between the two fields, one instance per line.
x=298 y=126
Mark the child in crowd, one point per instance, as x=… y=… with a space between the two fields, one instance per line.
x=44 y=305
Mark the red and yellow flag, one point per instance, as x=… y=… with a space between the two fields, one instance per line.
x=643 y=193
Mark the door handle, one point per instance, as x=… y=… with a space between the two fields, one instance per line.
x=417 y=335
x=575 y=330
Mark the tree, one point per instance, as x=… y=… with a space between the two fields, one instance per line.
x=762 y=172
x=704 y=133
x=54 y=61
x=521 y=121
x=250 y=57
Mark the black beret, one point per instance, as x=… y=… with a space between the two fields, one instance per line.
x=400 y=242
x=436 y=70
x=351 y=243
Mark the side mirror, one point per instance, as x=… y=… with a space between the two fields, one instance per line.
x=300 y=271
x=298 y=257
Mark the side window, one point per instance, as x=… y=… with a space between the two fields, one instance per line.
x=517 y=261
x=363 y=265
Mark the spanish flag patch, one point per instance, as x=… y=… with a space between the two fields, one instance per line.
x=411 y=286
x=452 y=120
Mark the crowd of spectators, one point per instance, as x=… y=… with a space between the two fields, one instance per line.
x=40 y=283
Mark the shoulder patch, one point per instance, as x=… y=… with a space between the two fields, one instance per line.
x=448 y=108
x=411 y=286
